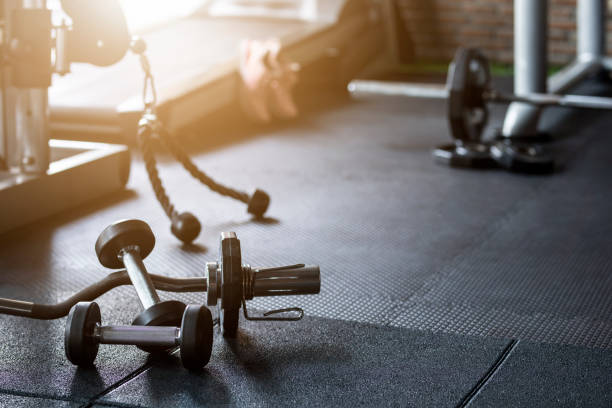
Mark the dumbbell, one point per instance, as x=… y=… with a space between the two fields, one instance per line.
x=230 y=284
x=84 y=333
x=125 y=244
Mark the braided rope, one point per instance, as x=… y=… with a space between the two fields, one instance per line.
x=198 y=174
x=146 y=130
x=144 y=134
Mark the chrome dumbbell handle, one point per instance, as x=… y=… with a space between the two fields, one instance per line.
x=143 y=336
x=139 y=276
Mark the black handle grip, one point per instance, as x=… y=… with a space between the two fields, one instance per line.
x=287 y=280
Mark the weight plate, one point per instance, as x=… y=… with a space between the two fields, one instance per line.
x=196 y=337
x=122 y=234
x=468 y=78
x=468 y=155
x=523 y=157
x=212 y=283
x=79 y=344
x=231 y=282
x=229 y=321
x=168 y=313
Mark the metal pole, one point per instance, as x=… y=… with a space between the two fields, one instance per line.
x=32 y=120
x=9 y=125
x=591 y=29
x=530 y=65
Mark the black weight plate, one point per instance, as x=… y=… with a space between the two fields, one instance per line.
x=168 y=313
x=229 y=321
x=468 y=78
x=196 y=337
x=468 y=155
x=523 y=157
x=231 y=282
x=122 y=234
x=80 y=346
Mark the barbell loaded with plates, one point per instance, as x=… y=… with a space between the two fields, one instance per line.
x=469 y=90
x=228 y=282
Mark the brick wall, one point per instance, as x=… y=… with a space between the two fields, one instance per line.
x=431 y=30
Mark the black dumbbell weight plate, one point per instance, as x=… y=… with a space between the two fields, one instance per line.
x=196 y=337
x=79 y=344
x=523 y=157
x=122 y=234
x=168 y=313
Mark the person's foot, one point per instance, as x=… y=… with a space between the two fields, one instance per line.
x=267 y=81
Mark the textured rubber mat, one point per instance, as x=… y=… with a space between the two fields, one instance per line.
x=305 y=364
x=401 y=242
x=546 y=375
x=400 y=239
x=16 y=401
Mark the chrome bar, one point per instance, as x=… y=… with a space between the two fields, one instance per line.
x=530 y=65
x=140 y=277
x=590 y=30
x=571 y=75
x=416 y=90
x=163 y=336
x=572 y=101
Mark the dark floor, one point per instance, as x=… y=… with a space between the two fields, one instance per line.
x=440 y=287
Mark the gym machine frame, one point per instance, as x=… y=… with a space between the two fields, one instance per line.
x=531 y=61
x=33 y=168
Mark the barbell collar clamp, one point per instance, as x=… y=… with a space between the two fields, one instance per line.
x=297 y=279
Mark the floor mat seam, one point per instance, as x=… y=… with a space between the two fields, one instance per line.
x=478 y=242
x=37 y=395
x=504 y=355
x=134 y=374
x=515 y=209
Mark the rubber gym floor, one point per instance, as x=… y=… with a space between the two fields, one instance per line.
x=440 y=287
